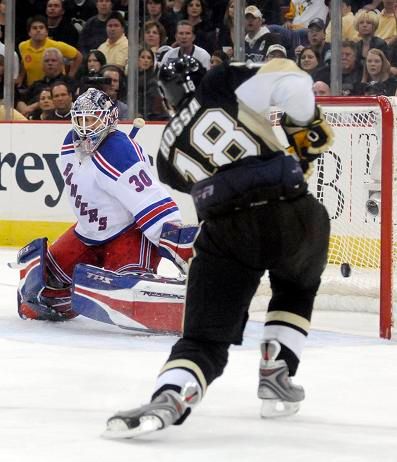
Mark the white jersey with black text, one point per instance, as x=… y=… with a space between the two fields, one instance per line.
x=114 y=189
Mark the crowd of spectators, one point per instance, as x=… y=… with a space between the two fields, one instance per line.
x=63 y=46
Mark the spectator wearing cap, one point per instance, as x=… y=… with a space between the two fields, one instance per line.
x=366 y=24
x=59 y=26
x=316 y=39
x=276 y=51
x=258 y=37
x=94 y=30
x=115 y=48
x=349 y=32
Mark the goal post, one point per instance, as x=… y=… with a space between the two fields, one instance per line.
x=355 y=180
x=377 y=114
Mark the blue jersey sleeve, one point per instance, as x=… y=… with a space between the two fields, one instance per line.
x=117 y=154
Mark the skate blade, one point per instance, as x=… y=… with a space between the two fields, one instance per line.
x=276 y=408
x=117 y=429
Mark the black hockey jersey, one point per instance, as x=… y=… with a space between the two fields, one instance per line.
x=225 y=121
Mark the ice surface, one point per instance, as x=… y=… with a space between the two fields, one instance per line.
x=60 y=382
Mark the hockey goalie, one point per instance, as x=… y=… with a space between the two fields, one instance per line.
x=105 y=266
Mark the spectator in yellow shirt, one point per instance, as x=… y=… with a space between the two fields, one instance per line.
x=32 y=51
x=349 y=32
x=14 y=113
x=387 y=28
x=115 y=48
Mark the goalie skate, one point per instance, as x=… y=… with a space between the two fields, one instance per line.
x=280 y=397
x=166 y=409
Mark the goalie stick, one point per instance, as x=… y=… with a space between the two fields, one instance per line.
x=137 y=125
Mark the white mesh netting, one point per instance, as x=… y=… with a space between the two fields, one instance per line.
x=347 y=180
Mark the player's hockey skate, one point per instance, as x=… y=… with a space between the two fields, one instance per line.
x=166 y=409
x=280 y=397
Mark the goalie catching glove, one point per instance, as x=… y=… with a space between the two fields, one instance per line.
x=176 y=244
x=310 y=141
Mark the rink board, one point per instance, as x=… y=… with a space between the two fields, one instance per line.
x=32 y=199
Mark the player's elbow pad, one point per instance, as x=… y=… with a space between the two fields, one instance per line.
x=176 y=244
x=310 y=141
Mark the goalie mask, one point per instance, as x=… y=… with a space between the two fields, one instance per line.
x=94 y=116
x=179 y=79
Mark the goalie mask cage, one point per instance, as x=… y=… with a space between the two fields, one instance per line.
x=355 y=181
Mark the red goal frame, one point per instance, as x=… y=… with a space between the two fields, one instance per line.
x=386 y=233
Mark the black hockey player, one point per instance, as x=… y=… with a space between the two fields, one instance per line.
x=257 y=215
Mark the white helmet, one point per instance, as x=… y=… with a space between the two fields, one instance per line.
x=94 y=115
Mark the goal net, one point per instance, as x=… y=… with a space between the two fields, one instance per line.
x=355 y=181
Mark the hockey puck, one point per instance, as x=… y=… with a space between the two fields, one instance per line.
x=346 y=270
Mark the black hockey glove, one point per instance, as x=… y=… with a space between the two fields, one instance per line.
x=311 y=141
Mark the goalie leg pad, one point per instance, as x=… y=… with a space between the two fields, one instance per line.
x=141 y=302
x=35 y=299
x=31 y=260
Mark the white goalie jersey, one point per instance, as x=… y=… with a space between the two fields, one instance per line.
x=115 y=189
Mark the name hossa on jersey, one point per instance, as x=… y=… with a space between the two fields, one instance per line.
x=115 y=189
x=226 y=119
